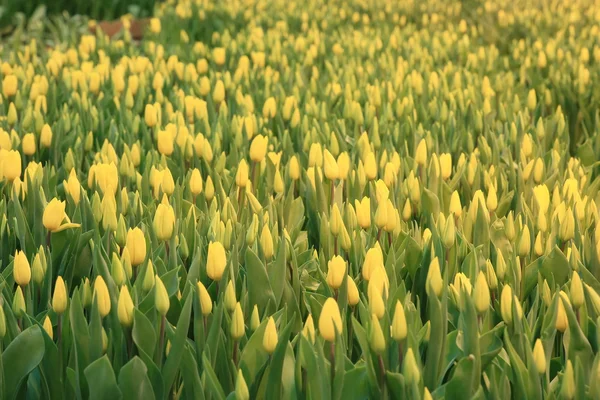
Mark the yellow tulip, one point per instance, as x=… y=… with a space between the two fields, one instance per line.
x=164 y=221
x=270 y=337
x=11 y=164
x=161 y=297
x=136 y=245
x=60 y=297
x=336 y=272
x=237 y=322
x=258 y=148
x=399 y=329
x=125 y=308
x=21 y=269
x=330 y=320
x=54 y=214
x=102 y=297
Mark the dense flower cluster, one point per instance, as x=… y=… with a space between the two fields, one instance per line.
x=305 y=200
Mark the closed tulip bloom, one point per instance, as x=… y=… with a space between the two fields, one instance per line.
x=230 y=298
x=373 y=259
x=164 y=221
x=18 y=306
x=102 y=296
x=218 y=94
x=205 y=300
x=539 y=357
x=21 y=269
x=46 y=136
x=269 y=108
x=54 y=214
x=60 y=297
x=266 y=243
x=481 y=294
x=562 y=322
x=237 y=322
x=421 y=153
x=258 y=148
x=566 y=230
x=435 y=283
x=376 y=303
x=294 y=168
x=150 y=115
x=370 y=166
x=410 y=369
x=332 y=171
x=241 y=388
x=524 y=242
x=363 y=212
x=136 y=245
x=353 y=295
x=270 y=337
x=73 y=187
x=196 y=182
x=125 y=308
x=330 y=320
x=216 y=261
x=335 y=220
x=336 y=272
x=576 y=290
x=161 y=297
x=343 y=163
x=376 y=338
x=10 y=84
x=28 y=144
x=506 y=300
x=399 y=328
x=241 y=176
x=165 y=143
x=455 y=205
x=446 y=165
x=219 y=55
x=12 y=165
x=254 y=318
x=48 y=327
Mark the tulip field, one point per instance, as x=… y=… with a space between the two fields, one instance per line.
x=283 y=199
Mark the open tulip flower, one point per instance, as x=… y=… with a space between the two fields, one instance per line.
x=313 y=199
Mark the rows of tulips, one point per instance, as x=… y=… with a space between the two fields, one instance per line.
x=305 y=200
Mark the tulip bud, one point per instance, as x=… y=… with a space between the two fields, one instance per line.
x=270 y=338
x=562 y=322
x=336 y=272
x=410 y=369
x=506 y=299
x=376 y=303
x=330 y=166
x=434 y=280
x=164 y=221
x=18 y=305
x=539 y=357
x=60 y=297
x=230 y=298
x=566 y=230
x=481 y=294
x=254 y=318
x=37 y=270
x=216 y=261
x=241 y=388
x=266 y=243
x=376 y=338
x=363 y=212
x=449 y=233
x=161 y=297
x=258 y=148
x=47 y=325
x=205 y=300
x=567 y=389
x=241 y=176
x=576 y=290
x=102 y=297
x=455 y=205
x=125 y=308
x=421 y=153
x=294 y=168
x=524 y=242
x=237 y=322
x=330 y=320
x=335 y=221
x=21 y=269
x=117 y=272
x=399 y=328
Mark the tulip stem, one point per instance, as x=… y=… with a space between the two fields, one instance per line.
x=400 y=356
x=332 y=355
x=59 y=341
x=161 y=342
x=204 y=321
x=379 y=234
x=48 y=239
x=335 y=245
x=235 y=353
x=332 y=191
x=108 y=243
x=252 y=173
x=382 y=382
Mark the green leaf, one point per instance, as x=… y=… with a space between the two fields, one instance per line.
x=21 y=356
x=258 y=284
x=101 y=380
x=177 y=344
x=134 y=382
x=211 y=380
x=276 y=367
x=143 y=333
